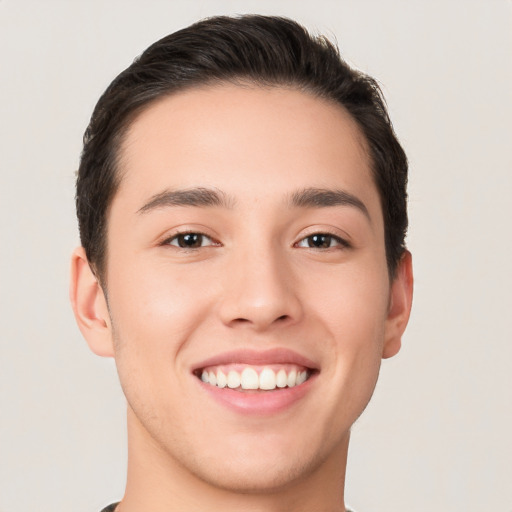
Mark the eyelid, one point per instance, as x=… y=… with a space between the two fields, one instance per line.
x=340 y=242
x=169 y=237
x=342 y=238
x=203 y=238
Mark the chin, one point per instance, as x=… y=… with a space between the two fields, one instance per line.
x=262 y=464
x=256 y=476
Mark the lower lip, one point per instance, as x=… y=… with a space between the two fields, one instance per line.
x=258 y=402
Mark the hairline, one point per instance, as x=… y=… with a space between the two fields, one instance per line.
x=122 y=133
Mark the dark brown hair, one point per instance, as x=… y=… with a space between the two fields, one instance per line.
x=264 y=50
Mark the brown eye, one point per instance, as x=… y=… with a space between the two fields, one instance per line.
x=323 y=241
x=320 y=241
x=190 y=240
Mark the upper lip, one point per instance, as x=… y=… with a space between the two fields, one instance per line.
x=255 y=357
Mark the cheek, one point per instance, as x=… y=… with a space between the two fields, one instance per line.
x=354 y=313
x=156 y=298
x=353 y=302
x=154 y=313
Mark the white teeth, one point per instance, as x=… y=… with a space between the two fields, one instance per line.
x=267 y=380
x=292 y=379
x=233 y=379
x=281 y=379
x=249 y=379
x=301 y=377
x=222 y=380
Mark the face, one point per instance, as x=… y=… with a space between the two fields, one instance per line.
x=248 y=292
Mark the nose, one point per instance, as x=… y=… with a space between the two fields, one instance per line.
x=261 y=292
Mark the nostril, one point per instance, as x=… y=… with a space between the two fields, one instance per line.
x=240 y=322
x=244 y=321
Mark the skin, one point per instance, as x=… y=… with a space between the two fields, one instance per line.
x=254 y=283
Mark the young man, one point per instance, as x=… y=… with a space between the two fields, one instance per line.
x=242 y=208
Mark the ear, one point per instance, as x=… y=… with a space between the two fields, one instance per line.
x=90 y=305
x=400 y=303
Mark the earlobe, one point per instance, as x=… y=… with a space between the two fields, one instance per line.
x=90 y=306
x=399 y=307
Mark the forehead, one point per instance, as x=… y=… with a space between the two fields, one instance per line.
x=246 y=140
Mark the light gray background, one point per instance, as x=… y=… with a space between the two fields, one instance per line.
x=437 y=435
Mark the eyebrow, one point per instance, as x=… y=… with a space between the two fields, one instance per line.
x=205 y=197
x=188 y=197
x=322 y=198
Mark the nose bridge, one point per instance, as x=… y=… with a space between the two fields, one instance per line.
x=260 y=287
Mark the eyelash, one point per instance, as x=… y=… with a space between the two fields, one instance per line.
x=339 y=242
x=177 y=236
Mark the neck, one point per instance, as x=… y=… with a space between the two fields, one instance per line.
x=157 y=482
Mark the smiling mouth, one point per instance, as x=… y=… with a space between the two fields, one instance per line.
x=247 y=378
